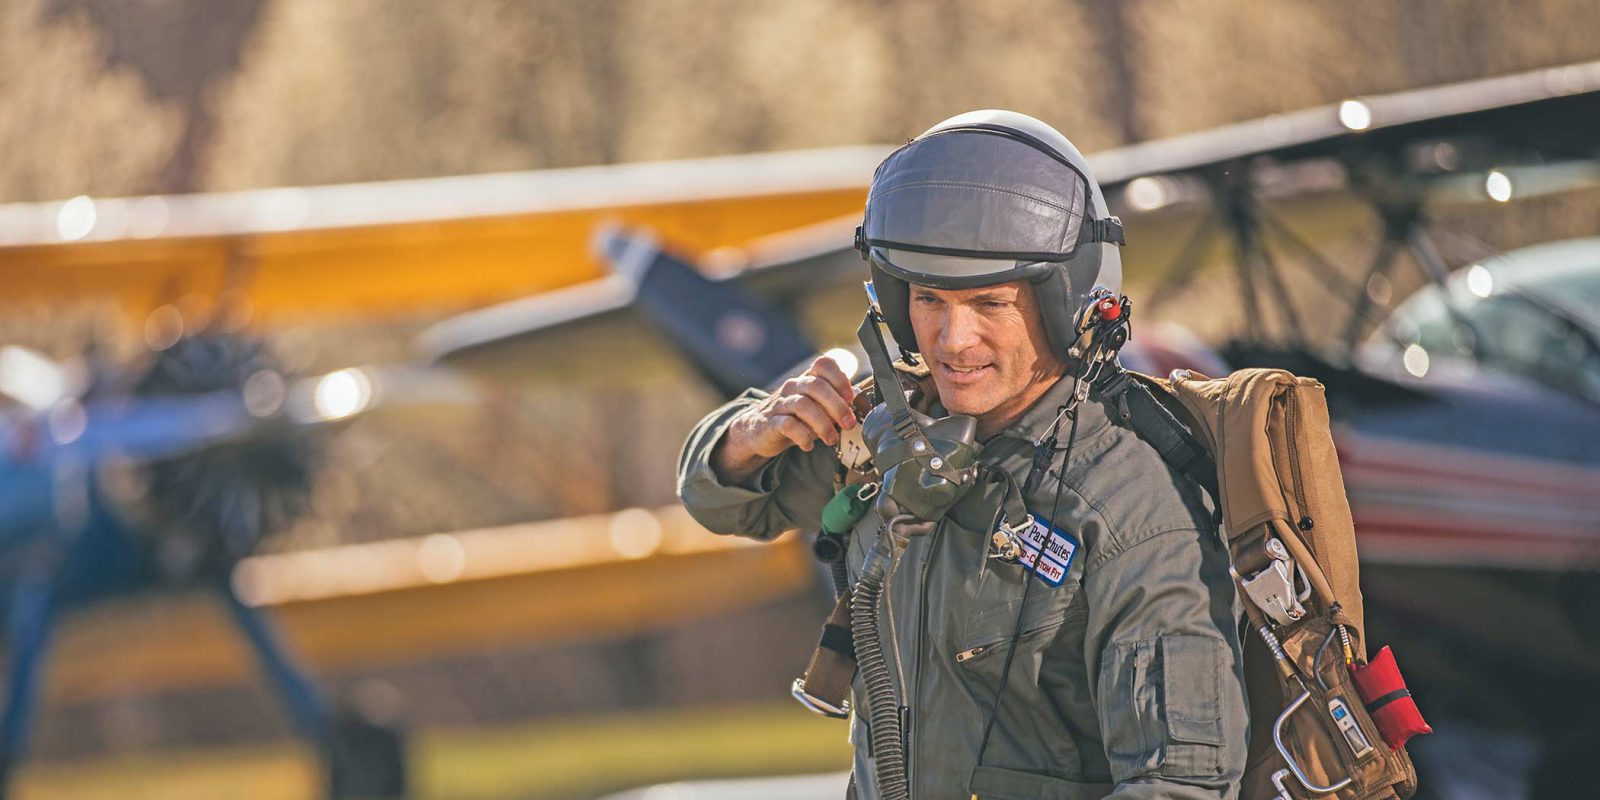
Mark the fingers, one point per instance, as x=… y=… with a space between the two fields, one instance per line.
x=824 y=394
x=810 y=407
x=819 y=422
x=792 y=429
x=828 y=370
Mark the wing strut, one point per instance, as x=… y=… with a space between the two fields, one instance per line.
x=1183 y=266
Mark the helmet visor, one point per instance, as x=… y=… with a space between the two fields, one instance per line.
x=955 y=272
x=975 y=196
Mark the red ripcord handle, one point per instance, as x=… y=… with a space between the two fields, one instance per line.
x=1383 y=691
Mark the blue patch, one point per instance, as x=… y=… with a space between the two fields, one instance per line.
x=1058 y=546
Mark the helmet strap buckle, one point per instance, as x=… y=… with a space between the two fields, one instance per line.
x=1107 y=230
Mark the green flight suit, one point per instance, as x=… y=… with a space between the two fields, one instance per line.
x=1129 y=678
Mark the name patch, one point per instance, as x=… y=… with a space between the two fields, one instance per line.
x=1047 y=551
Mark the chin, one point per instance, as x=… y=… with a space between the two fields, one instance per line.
x=964 y=402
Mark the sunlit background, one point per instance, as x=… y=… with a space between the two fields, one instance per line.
x=481 y=565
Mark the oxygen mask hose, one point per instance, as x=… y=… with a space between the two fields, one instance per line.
x=883 y=710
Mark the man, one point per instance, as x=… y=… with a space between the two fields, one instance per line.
x=1119 y=675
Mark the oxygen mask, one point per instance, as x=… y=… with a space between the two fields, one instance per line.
x=926 y=464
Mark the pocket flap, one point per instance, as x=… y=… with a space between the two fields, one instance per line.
x=1192 y=682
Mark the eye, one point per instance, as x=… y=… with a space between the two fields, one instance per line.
x=925 y=299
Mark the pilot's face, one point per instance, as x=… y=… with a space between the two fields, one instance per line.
x=987 y=348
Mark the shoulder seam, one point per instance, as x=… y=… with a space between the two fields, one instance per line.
x=1098 y=512
x=1124 y=546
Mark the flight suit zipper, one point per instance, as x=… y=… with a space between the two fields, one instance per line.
x=967 y=655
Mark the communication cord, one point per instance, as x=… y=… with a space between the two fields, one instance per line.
x=883 y=712
x=1028 y=579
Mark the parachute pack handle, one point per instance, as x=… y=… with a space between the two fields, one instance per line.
x=1288 y=757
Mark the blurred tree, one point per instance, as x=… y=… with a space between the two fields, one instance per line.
x=241 y=93
x=1116 y=48
x=179 y=48
x=71 y=125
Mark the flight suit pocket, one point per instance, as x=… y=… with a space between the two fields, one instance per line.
x=993 y=627
x=1192 y=685
x=990 y=634
x=1160 y=702
x=993 y=783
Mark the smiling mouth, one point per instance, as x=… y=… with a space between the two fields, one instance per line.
x=964 y=374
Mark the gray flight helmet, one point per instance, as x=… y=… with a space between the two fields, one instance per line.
x=990 y=197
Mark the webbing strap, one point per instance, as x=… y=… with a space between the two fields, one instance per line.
x=838 y=639
x=1013 y=510
x=900 y=413
x=1384 y=700
x=883 y=370
x=1152 y=422
x=825 y=685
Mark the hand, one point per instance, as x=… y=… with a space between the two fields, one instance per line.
x=810 y=407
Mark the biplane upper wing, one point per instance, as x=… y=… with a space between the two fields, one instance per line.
x=446 y=244
x=418 y=246
x=1552 y=112
x=1546 y=113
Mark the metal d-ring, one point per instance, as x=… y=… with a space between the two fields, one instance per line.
x=816 y=704
x=1294 y=766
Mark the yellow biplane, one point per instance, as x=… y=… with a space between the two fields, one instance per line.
x=516 y=255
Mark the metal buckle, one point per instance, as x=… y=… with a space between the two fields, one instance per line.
x=1277 y=782
x=1007 y=540
x=1272 y=589
x=817 y=705
x=1086 y=313
x=1109 y=230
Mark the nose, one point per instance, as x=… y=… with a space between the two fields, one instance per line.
x=960 y=330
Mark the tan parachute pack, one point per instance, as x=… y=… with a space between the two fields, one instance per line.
x=1290 y=532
